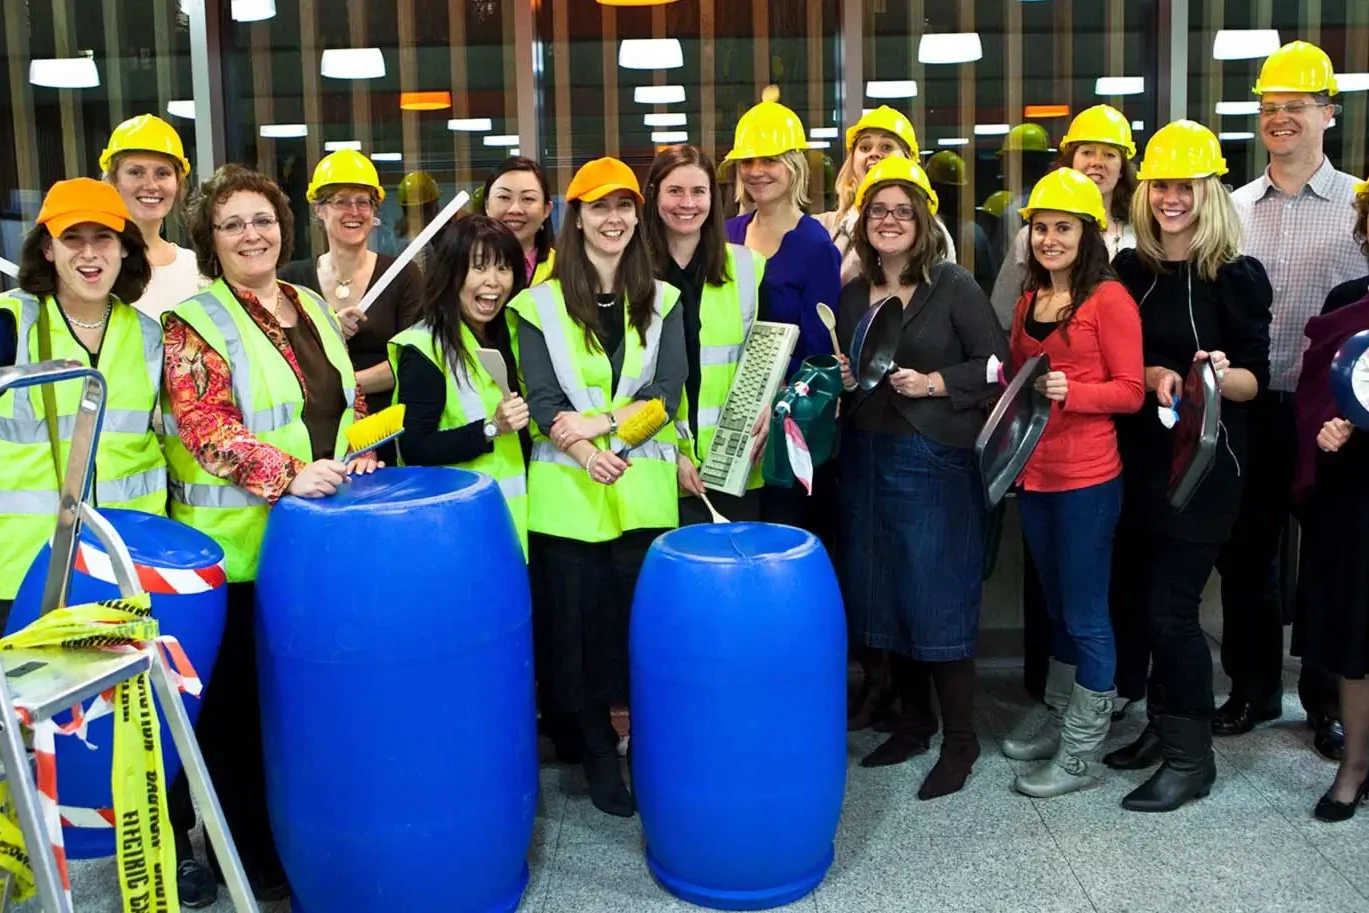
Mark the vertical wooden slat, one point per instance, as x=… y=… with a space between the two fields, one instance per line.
x=916 y=70
x=361 y=88
x=113 y=75
x=21 y=106
x=1263 y=19
x=816 y=109
x=1115 y=24
x=1013 y=41
x=1356 y=104
x=658 y=77
x=968 y=78
x=1212 y=86
x=1309 y=11
x=760 y=47
x=163 y=15
x=609 y=24
x=560 y=36
x=408 y=80
x=263 y=102
x=523 y=108
x=708 y=109
x=311 y=58
x=68 y=100
x=461 y=103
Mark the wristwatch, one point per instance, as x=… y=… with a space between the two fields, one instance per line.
x=931 y=387
x=612 y=424
x=491 y=432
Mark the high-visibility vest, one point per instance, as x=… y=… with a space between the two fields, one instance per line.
x=268 y=395
x=542 y=271
x=472 y=395
x=726 y=313
x=562 y=498
x=130 y=472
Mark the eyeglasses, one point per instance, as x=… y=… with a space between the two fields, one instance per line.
x=903 y=212
x=361 y=204
x=234 y=227
x=1291 y=107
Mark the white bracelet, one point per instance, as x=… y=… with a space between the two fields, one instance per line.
x=589 y=464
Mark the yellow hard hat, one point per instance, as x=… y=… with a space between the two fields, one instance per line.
x=767 y=130
x=1362 y=187
x=1026 y=138
x=1067 y=190
x=417 y=188
x=1297 y=67
x=890 y=121
x=1101 y=124
x=947 y=167
x=996 y=203
x=145 y=133
x=1180 y=151
x=897 y=168
x=346 y=166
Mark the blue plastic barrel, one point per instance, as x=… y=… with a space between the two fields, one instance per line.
x=183 y=570
x=394 y=645
x=738 y=648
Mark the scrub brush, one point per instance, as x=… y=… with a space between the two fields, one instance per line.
x=643 y=426
x=374 y=430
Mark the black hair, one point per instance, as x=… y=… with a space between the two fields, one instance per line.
x=1092 y=267
x=545 y=235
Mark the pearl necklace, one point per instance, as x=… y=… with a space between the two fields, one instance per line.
x=98 y=325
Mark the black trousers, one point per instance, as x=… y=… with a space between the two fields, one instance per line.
x=229 y=733
x=1160 y=580
x=1250 y=564
x=746 y=508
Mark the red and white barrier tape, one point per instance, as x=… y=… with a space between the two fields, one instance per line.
x=160 y=580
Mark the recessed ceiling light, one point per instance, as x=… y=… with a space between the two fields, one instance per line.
x=1119 y=85
x=956 y=47
x=1352 y=82
x=891 y=88
x=182 y=108
x=387 y=157
x=670 y=136
x=64 y=72
x=1244 y=44
x=1240 y=135
x=508 y=139
x=823 y=133
x=819 y=144
x=650 y=54
x=953 y=141
x=352 y=63
x=1237 y=108
x=338 y=145
x=515 y=152
x=669 y=119
x=991 y=129
x=1138 y=125
x=471 y=124
x=658 y=95
x=284 y=131
x=252 y=10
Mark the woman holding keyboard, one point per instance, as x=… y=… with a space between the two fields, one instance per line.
x=719 y=286
x=456 y=412
x=597 y=343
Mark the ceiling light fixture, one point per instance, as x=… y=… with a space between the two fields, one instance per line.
x=64 y=72
x=352 y=63
x=954 y=47
x=471 y=124
x=425 y=101
x=387 y=157
x=1045 y=111
x=658 y=95
x=823 y=133
x=650 y=54
x=1244 y=44
x=1119 y=85
x=669 y=119
x=184 y=108
x=284 y=131
x=1239 y=135
x=338 y=145
x=990 y=129
x=819 y=144
x=1237 y=108
x=670 y=136
x=508 y=139
x=890 y=88
x=953 y=141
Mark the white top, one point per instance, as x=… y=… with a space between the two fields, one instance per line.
x=170 y=285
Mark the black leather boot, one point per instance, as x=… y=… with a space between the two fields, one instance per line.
x=914 y=727
x=1188 y=771
x=603 y=772
x=1146 y=750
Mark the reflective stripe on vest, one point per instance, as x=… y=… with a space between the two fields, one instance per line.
x=744 y=275
x=197 y=495
x=514 y=486
x=581 y=398
x=546 y=452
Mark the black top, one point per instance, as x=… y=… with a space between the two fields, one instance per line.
x=1038 y=329
x=425 y=397
x=545 y=396
x=948 y=327
x=1346 y=293
x=397 y=309
x=610 y=332
x=1232 y=315
x=9 y=339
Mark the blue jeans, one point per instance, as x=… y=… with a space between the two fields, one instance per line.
x=1070 y=537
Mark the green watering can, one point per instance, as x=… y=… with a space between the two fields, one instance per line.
x=815 y=413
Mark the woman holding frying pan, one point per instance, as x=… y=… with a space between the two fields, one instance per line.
x=912 y=511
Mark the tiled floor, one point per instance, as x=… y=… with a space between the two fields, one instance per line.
x=1251 y=846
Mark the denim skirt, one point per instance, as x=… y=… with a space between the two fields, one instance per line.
x=912 y=522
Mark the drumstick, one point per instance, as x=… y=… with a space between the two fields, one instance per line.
x=407 y=255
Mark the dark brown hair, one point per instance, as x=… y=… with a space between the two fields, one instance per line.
x=1092 y=266
x=226 y=181
x=453 y=255
x=1361 y=217
x=929 y=244
x=713 y=232
x=38 y=275
x=1127 y=181
x=545 y=235
x=580 y=282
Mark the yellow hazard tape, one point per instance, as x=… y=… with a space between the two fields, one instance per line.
x=146 y=850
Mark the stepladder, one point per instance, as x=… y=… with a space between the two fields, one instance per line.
x=39 y=683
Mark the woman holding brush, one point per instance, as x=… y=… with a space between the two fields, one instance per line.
x=456 y=412
x=598 y=342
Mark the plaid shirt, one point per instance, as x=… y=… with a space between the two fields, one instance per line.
x=1306 y=247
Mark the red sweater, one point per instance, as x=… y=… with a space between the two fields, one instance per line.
x=1103 y=364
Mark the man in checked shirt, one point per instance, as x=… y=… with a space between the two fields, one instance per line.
x=1297 y=219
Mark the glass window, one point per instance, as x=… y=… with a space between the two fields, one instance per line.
x=117 y=60
x=714 y=60
x=424 y=87
x=1219 y=90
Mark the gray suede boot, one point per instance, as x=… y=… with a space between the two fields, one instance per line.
x=1075 y=765
x=1059 y=682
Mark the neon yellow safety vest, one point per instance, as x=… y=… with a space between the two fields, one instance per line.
x=726 y=313
x=268 y=395
x=562 y=499
x=130 y=472
x=472 y=395
x=542 y=271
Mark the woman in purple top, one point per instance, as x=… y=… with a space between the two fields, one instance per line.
x=804 y=267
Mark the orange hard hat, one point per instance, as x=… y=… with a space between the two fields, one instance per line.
x=80 y=200
x=601 y=177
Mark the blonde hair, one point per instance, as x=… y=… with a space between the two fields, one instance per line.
x=847 y=182
x=111 y=177
x=1216 y=242
x=795 y=162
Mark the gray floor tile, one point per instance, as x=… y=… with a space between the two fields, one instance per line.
x=1255 y=870
x=1346 y=847
x=964 y=875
